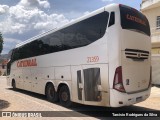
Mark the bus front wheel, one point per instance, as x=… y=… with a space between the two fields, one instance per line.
x=51 y=93
x=64 y=96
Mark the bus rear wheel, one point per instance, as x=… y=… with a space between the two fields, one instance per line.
x=51 y=93
x=64 y=96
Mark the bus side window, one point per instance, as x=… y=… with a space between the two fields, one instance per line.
x=112 y=19
x=15 y=55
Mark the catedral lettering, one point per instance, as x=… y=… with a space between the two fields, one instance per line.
x=27 y=63
x=136 y=19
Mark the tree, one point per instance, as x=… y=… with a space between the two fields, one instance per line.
x=1 y=42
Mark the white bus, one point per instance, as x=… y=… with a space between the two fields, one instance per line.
x=100 y=59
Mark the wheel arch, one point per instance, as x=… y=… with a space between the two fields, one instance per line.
x=47 y=83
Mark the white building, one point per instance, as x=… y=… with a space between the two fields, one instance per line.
x=151 y=8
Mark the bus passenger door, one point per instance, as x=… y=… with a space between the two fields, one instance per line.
x=77 y=84
x=96 y=84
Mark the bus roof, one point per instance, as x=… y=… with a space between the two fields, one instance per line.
x=68 y=24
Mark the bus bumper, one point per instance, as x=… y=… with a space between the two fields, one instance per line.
x=118 y=99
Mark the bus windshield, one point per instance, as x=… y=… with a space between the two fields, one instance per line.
x=132 y=19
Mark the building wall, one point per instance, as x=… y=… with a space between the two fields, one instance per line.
x=152 y=13
x=3 y=66
x=2 y=69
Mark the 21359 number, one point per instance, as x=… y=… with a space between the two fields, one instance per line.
x=92 y=59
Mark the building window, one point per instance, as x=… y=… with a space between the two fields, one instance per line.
x=158 y=22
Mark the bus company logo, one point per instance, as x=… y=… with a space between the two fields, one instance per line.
x=135 y=19
x=27 y=63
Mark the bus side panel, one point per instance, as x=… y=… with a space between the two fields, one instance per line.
x=63 y=73
x=40 y=77
x=63 y=76
x=19 y=79
x=27 y=79
x=114 y=54
x=114 y=46
x=38 y=80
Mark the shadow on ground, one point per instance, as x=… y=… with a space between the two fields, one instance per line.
x=4 y=104
x=32 y=94
x=158 y=86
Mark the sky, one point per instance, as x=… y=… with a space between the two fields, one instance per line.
x=23 y=19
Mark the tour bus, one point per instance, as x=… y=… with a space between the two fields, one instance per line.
x=100 y=59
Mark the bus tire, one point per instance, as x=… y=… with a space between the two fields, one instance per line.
x=51 y=93
x=13 y=84
x=64 y=96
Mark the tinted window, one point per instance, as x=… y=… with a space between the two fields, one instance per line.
x=9 y=62
x=134 y=20
x=158 y=22
x=112 y=19
x=77 y=35
x=15 y=55
x=80 y=34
